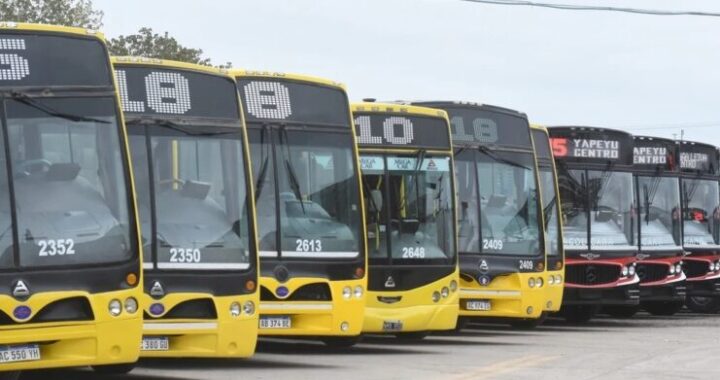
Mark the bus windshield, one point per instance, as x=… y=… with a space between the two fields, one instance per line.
x=409 y=209
x=700 y=208
x=309 y=181
x=659 y=203
x=601 y=202
x=69 y=185
x=550 y=210
x=505 y=220
x=195 y=206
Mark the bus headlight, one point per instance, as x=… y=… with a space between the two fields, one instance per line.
x=631 y=270
x=115 y=308
x=131 y=305
x=531 y=282
x=436 y=296
x=358 y=291
x=540 y=282
x=453 y=285
x=558 y=279
x=625 y=271
x=551 y=280
x=235 y=309
x=672 y=269
x=445 y=292
x=249 y=308
x=678 y=268
x=347 y=292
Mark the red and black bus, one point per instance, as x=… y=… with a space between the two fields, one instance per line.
x=599 y=220
x=701 y=234
x=657 y=186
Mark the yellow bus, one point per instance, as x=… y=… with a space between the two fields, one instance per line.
x=70 y=261
x=502 y=258
x=406 y=163
x=552 y=223
x=192 y=178
x=311 y=227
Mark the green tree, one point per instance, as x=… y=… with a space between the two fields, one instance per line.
x=146 y=43
x=78 y=13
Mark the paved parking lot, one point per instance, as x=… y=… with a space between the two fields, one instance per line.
x=686 y=346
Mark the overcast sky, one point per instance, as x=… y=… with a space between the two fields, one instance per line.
x=625 y=71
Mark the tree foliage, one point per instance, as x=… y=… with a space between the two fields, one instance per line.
x=78 y=13
x=146 y=43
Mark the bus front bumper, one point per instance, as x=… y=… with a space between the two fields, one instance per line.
x=203 y=338
x=504 y=303
x=379 y=320
x=627 y=295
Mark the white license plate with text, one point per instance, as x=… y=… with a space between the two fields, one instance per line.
x=27 y=353
x=481 y=305
x=155 y=344
x=275 y=322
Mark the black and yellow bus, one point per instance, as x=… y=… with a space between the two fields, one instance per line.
x=700 y=171
x=70 y=262
x=408 y=182
x=656 y=169
x=192 y=179
x=311 y=226
x=599 y=220
x=502 y=257
x=552 y=223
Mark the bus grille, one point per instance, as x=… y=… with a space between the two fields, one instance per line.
x=694 y=268
x=652 y=272
x=591 y=274
x=202 y=308
x=309 y=292
x=65 y=310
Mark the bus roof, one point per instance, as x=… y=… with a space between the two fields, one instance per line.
x=538 y=127
x=9 y=25
x=579 y=128
x=373 y=107
x=457 y=103
x=289 y=76
x=169 y=64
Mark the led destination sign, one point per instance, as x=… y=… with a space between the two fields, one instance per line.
x=694 y=160
x=650 y=155
x=585 y=148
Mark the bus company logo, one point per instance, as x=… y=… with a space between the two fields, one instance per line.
x=282 y=291
x=22 y=312
x=484 y=280
x=590 y=274
x=157 y=290
x=390 y=282
x=368 y=163
x=404 y=164
x=432 y=166
x=20 y=289
x=642 y=256
x=590 y=256
x=648 y=155
x=484 y=267
x=157 y=309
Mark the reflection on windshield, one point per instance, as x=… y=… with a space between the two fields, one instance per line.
x=700 y=224
x=508 y=217
x=199 y=197
x=550 y=211
x=415 y=195
x=604 y=199
x=310 y=181
x=69 y=183
x=659 y=213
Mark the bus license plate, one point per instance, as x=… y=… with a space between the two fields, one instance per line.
x=392 y=325
x=275 y=323
x=483 y=305
x=27 y=353
x=161 y=343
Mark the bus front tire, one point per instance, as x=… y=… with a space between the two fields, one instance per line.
x=114 y=369
x=579 y=313
x=663 y=308
x=530 y=323
x=707 y=305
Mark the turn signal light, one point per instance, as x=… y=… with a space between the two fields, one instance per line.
x=131 y=279
x=250 y=285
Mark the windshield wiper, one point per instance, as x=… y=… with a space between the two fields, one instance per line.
x=31 y=102
x=294 y=183
x=260 y=182
x=486 y=151
x=419 y=158
x=191 y=130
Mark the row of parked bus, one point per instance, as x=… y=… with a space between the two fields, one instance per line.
x=167 y=209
